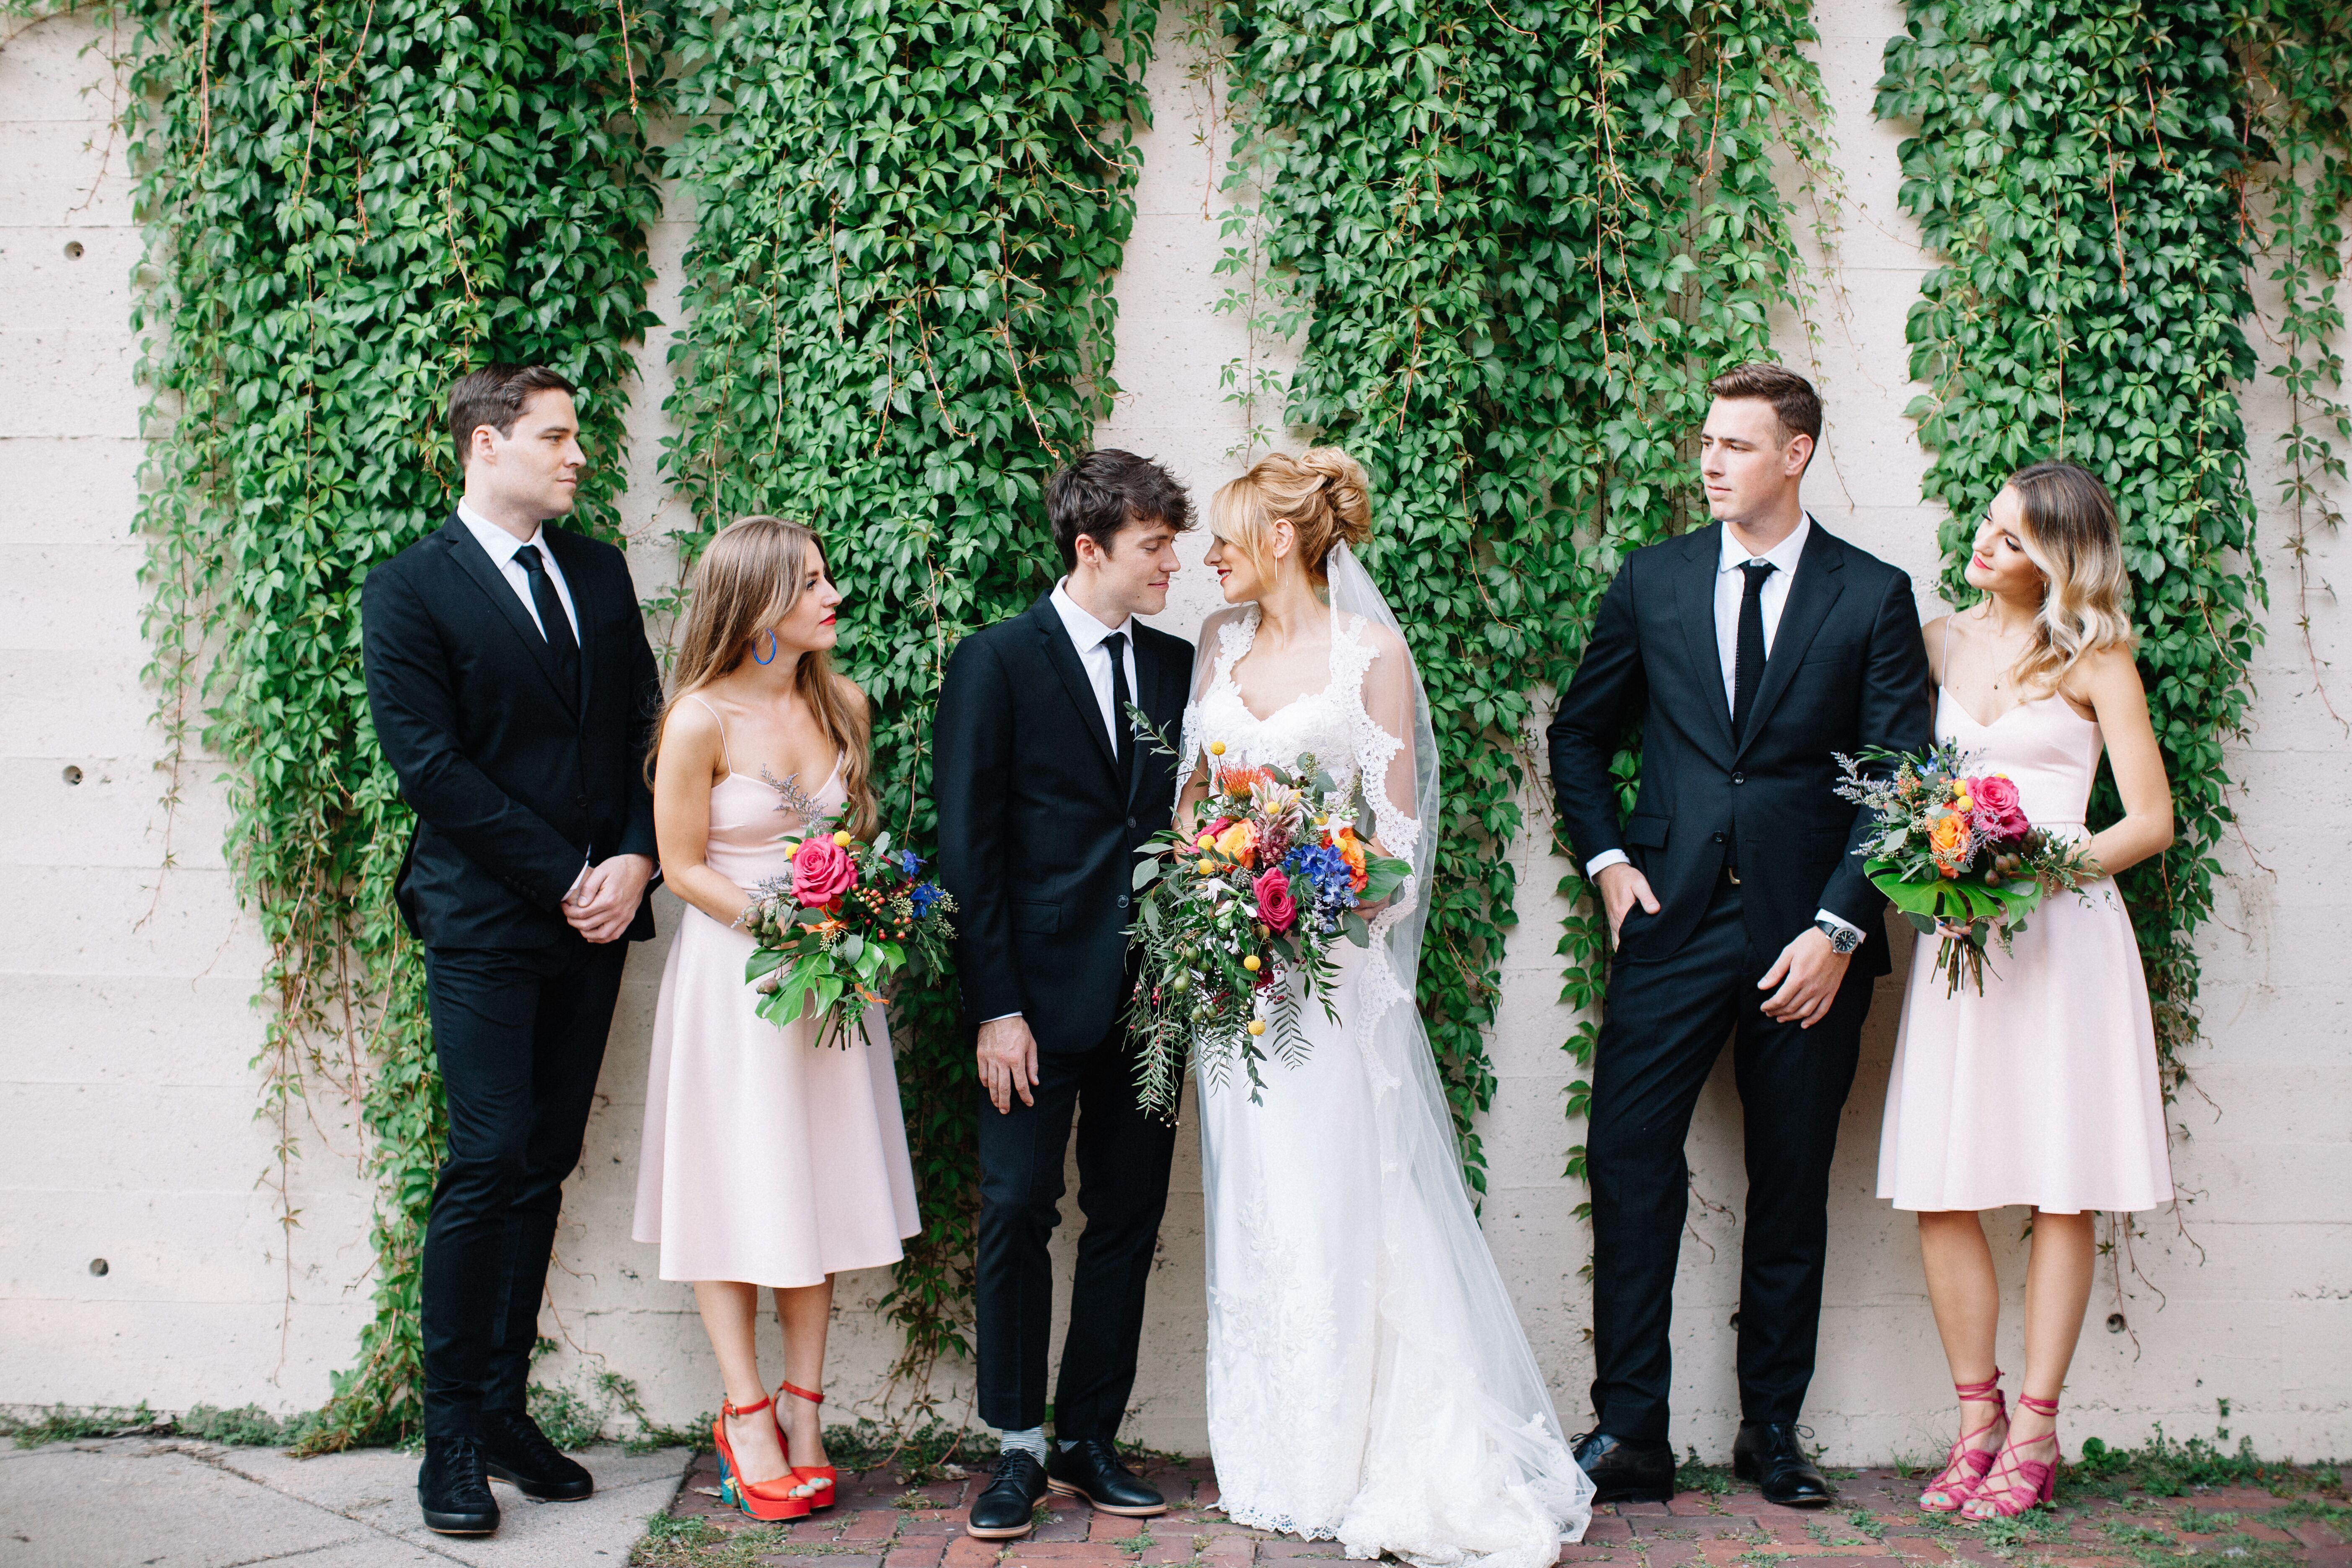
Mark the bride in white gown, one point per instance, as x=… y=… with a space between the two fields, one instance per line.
x=1369 y=1381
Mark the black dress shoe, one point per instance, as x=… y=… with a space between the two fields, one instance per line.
x=1626 y=1469
x=1008 y=1507
x=1090 y=1468
x=514 y=1450
x=1768 y=1453
x=454 y=1490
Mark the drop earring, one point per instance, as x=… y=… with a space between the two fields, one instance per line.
x=771 y=651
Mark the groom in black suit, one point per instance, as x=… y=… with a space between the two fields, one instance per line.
x=1043 y=793
x=511 y=686
x=1749 y=652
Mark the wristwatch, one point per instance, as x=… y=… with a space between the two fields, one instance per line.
x=1843 y=939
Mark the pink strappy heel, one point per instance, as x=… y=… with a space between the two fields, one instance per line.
x=1964 y=1467
x=2019 y=1485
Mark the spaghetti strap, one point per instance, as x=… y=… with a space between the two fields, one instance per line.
x=724 y=754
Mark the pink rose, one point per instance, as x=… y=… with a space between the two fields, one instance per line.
x=822 y=871
x=1998 y=813
x=1274 y=901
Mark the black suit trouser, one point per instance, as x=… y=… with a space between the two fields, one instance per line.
x=1123 y=1157
x=1664 y=1025
x=520 y=1036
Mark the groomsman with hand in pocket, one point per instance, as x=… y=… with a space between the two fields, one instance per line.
x=1749 y=652
x=511 y=686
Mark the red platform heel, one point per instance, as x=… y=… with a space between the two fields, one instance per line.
x=2019 y=1485
x=821 y=1479
x=1964 y=1467
x=768 y=1501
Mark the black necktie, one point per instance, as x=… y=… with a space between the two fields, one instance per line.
x=1122 y=732
x=1747 y=655
x=554 y=625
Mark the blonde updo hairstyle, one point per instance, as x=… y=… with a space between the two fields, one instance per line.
x=2068 y=525
x=749 y=578
x=1322 y=493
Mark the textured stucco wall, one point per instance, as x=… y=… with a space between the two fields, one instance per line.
x=126 y=1031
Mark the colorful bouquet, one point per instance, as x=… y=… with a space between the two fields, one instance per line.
x=1954 y=851
x=1236 y=910
x=830 y=934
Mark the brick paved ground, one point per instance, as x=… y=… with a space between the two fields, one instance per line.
x=882 y=1523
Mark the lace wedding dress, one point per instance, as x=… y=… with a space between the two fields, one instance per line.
x=1369 y=1381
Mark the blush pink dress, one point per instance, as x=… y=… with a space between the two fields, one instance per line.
x=2042 y=1091
x=767 y=1159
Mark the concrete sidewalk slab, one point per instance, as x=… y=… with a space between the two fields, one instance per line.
x=138 y=1502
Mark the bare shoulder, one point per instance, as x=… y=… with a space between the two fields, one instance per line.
x=690 y=720
x=1386 y=646
x=854 y=696
x=2105 y=674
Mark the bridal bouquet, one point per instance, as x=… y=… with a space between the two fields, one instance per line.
x=1232 y=911
x=1953 y=851
x=831 y=933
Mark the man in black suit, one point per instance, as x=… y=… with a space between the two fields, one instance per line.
x=1749 y=652
x=1043 y=794
x=511 y=686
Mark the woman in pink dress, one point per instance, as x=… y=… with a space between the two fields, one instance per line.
x=767 y=1159
x=2043 y=1091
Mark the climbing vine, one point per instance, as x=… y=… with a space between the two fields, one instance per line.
x=1518 y=241
x=2089 y=179
x=349 y=204
x=897 y=324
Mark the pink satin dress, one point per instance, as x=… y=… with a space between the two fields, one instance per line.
x=766 y=1159
x=2044 y=1090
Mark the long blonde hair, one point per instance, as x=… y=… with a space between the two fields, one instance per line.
x=748 y=579
x=1322 y=493
x=2069 y=529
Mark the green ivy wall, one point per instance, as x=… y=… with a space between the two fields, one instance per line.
x=126 y=1035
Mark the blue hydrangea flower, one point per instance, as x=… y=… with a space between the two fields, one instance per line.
x=924 y=896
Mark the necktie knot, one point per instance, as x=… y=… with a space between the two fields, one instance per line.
x=528 y=559
x=1756 y=571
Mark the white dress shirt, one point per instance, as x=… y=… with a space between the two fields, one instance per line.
x=1088 y=634
x=1730 y=586
x=501 y=547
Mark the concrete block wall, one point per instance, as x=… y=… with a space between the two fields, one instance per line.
x=127 y=1032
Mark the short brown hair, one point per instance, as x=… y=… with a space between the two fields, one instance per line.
x=1794 y=402
x=494 y=396
x=1108 y=491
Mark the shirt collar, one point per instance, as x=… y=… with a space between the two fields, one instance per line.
x=500 y=544
x=1084 y=630
x=1783 y=556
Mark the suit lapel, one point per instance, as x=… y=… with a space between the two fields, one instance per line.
x=1694 y=608
x=574 y=566
x=1062 y=655
x=475 y=562
x=1810 y=597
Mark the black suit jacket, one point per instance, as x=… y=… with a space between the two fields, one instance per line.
x=1037 y=831
x=516 y=781
x=1847 y=670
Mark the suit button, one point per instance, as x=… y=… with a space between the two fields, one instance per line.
x=1122 y=900
x=1739 y=778
x=1131 y=822
x=581 y=803
x=1718 y=838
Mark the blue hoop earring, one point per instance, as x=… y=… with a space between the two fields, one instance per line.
x=771 y=651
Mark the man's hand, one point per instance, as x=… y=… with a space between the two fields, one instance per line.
x=1620 y=888
x=1809 y=972
x=606 y=898
x=1008 y=1060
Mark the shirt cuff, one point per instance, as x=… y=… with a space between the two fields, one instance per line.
x=1860 y=935
x=1603 y=861
x=586 y=866
x=999 y=1018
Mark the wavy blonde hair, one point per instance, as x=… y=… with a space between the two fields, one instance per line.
x=1322 y=493
x=2068 y=525
x=748 y=579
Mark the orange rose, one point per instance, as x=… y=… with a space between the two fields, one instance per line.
x=1948 y=836
x=1236 y=842
x=1351 y=851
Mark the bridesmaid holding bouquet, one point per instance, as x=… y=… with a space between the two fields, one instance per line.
x=2043 y=1091
x=769 y=1159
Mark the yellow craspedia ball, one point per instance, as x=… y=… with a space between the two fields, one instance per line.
x=1964 y=803
x=1208 y=841
x=1257 y=1026
x=842 y=839
x=792 y=851
x=1252 y=964
x=1206 y=867
x=1216 y=748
